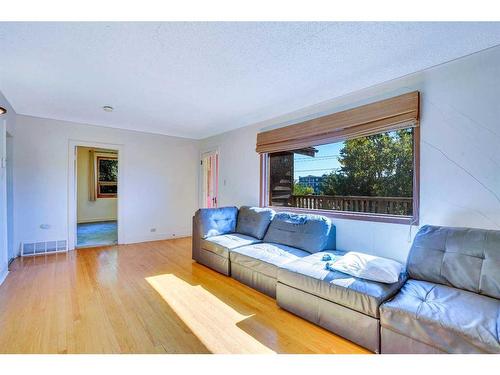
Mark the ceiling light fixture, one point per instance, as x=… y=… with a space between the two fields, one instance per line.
x=2 y=111
x=107 y=108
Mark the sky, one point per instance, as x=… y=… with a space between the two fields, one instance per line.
x=325 y=161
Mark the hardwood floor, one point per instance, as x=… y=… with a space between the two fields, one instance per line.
x=145 y=298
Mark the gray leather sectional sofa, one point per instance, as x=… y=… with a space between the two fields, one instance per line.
x=449 y=304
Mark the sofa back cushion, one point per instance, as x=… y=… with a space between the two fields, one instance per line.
x=311 y=233
x=216 y=221
x=464 y=258
x=254 y=221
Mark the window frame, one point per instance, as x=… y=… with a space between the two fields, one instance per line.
x=264 y=198
x=100 y=183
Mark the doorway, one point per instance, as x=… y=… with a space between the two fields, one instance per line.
x=210 y=179
x=96 y=196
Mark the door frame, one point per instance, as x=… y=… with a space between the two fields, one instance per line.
x=72 y=187
x=3 y=205
x=215 y=149
x=9 y=180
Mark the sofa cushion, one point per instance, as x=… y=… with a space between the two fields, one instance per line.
x=310 y=275
x=222 y=245
x=254 y=221
x=216 y=221
x=265 y=257
x=464 y=258
x=449 y=319
x=312 y=233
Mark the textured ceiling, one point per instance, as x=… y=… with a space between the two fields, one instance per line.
x=199 y=79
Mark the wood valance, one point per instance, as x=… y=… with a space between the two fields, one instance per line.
x=385 y=115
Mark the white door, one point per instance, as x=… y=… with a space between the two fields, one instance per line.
x=210 y=179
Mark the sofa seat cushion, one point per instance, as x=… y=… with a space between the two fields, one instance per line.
x=446 y=318
x=310 y=275
x=222 y=245
x=266 y=257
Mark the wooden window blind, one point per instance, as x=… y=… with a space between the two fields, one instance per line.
x=382 y=116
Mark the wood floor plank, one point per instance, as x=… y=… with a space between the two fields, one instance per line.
x=145 y=298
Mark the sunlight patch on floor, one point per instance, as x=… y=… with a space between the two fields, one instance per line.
x=210 y=319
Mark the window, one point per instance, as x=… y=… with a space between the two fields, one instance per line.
x=367 y=171
x=107 y=177
x=371 y=174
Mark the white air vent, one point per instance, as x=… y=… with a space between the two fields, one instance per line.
x=43 y=247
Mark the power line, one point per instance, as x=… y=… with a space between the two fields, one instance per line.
x=332 y=160
x=316 y=170
x=317 y=158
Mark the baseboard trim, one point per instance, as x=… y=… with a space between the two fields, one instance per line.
x=3 y=275
x=155 y=237
x=95 y=220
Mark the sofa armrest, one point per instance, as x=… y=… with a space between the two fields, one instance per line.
x=209 y=222
x=195 y=240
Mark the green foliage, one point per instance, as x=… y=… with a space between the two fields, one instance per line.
x=378 y=165
x=301 y=189
x=108 y=170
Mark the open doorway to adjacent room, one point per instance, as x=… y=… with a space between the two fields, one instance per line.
x=97 y=196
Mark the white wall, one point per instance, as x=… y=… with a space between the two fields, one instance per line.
x=460 y=152
x=7 y=125
x=159 y=188
x=102 y=209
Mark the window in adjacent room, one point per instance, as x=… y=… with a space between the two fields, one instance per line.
x=107 y=177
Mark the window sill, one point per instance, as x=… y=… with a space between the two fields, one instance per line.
x=380 y=218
